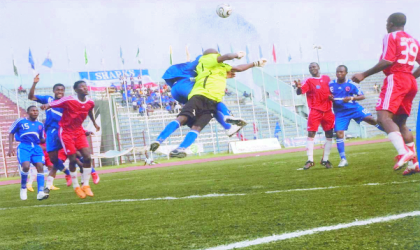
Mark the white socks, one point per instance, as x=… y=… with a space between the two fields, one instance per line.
x=74 y=179
x=50 y=180
x=327 y=149
x=86 y=176
x=398 y=142
x=310 y=148
x=32 y=175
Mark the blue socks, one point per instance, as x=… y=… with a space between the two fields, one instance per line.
x=169 y=129
x=189 y=139
x=23 y=179
x=222 y=111
x=59 y=165
x=93 y=170
x=340 y=147
x=40 y=180
x=379 y=127
x=67 y=172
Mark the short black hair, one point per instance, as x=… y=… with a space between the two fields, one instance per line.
x=315 y=63
x=29 y=108
x=58 y=85
x=344 y=66
x=76 y=84
x=398 y=19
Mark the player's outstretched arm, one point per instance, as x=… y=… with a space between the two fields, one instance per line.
x=31 y=95
x=45 y=106
x=381 y=65
x=298 y=87
x=230 y=56
x=11 y=149
x=92 y=118
x=243 y=67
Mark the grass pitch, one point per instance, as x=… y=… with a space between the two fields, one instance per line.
x=127 y=212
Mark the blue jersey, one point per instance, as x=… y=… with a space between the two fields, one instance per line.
x=182 y=71
x=53 y=114
x=27 y=132
x=340 y=91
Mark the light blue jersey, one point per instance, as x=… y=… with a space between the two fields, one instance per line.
x=51 y=123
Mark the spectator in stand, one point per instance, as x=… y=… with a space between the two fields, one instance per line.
x=227 y=92
x=379 y=88
x=268 y=94
x=133 y=86
x=142 y=108
x=245 y=94
x=156 y=102
x=113 y=87
x=21 y=90
x=149 y=109
x=124 y=97
x=169 y=108
x=134 y=102
x=375 y=87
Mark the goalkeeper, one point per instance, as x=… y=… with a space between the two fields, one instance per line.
x=207 y=92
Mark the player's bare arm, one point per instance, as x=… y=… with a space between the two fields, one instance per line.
x=230 y=56
x=240 y=68
x=92 y=118
x=381 y=65
x=11 y=149
x=31 y=95
x=416 y=73
x=353 y=98
x=298 y=85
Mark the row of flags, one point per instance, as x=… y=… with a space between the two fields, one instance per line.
x=289 y=58
x=49 y=63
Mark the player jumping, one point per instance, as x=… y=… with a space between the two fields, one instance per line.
x=29 y=132
x=207 y=92
x=345 y=93
x=72 y=135
x=400 y=51
x=317 y=93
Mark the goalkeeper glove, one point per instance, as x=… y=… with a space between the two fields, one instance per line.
x=260 y=63
x=241 y=54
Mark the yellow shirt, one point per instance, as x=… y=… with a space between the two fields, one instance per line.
x=211 y=78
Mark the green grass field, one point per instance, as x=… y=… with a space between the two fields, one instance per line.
x=125 y=214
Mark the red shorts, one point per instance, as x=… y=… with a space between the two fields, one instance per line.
x=62 y=155
x=73 y=140
x=48 y=162
x=316 y=117
x=397 y=94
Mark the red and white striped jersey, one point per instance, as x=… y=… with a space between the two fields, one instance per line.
x=74 y=111
x=401 y=49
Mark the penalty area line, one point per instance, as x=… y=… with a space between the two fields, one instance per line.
x=285 y=236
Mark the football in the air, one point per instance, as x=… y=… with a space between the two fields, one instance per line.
x=224 y=10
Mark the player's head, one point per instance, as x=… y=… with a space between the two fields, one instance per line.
x=314 y=69
x=395 y=22
x=80 y=87
x=341 y=72
x=210 y=51
x=33 y=112
x=59 y=90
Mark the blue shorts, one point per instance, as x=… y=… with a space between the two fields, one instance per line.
x=31 y=153
x=53 y=141
x=181 y=90
x=343 y=118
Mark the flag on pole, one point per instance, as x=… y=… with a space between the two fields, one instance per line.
x=274 y=55
x=202 y=50
x=138 y=55
x=255 y=130
x=86 y=58
x=121 y=56
x=170 y=55
x=241 y=136
x=247 y=54
x=188 y=54
x=277 y=130
x=218 y=49
x=47 y=62
x=31 y=60
x=261 y=54
x=289 y=58
x=14 y=68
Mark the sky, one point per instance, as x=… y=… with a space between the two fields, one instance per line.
x=346 y=30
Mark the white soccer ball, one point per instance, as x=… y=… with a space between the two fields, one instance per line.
x=224 y=10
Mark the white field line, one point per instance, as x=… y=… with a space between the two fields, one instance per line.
x=128 y=200
x=207 y=195
x=344 y=186
x=296 y=234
